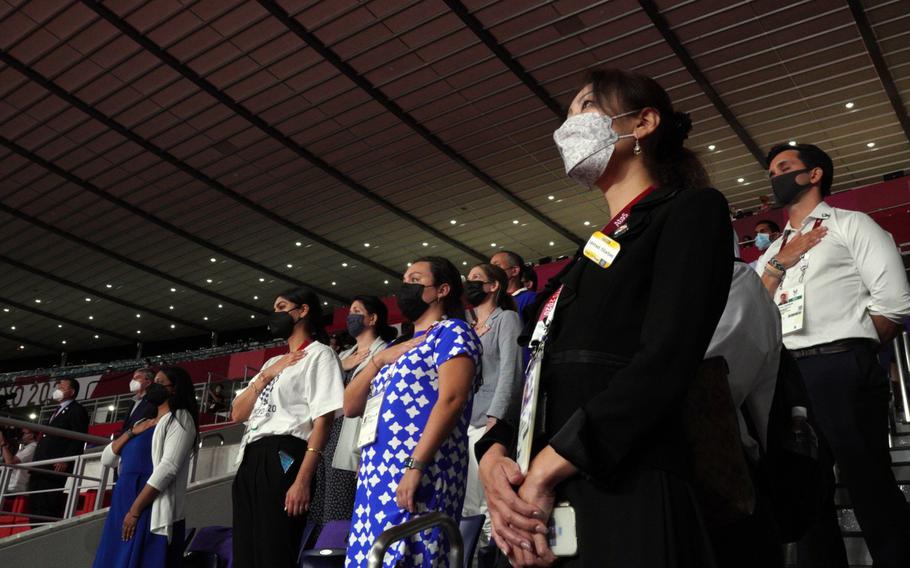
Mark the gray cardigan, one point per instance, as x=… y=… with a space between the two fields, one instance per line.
x=503 y=377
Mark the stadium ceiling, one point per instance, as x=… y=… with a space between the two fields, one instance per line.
x=167 y=166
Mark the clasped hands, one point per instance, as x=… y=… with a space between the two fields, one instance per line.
x=520 y=505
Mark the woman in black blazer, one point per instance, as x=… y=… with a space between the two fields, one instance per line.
x=626 y=338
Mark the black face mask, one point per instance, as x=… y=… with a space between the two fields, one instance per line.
x=355 y=324
x=786 y=188
x=156 y=394
x=474 y=292
x=410 y=300
x=281 y=324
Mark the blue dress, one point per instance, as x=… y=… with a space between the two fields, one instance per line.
x=410 y=388
x=144 y=550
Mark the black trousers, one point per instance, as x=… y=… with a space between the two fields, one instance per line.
x=849 y=393
x=264 y=535
x=47 y=504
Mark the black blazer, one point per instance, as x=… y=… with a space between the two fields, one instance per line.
x=626 y=340
x=73 y=418
x=143 y=410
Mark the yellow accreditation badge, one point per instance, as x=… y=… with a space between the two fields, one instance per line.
x=601 y=249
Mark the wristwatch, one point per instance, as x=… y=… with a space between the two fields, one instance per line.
x=411 y=463
x=777 y=264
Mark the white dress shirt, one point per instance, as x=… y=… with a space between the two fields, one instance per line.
x=18 y=478
x=854 y=272
x=288 y=405
x=748 y=337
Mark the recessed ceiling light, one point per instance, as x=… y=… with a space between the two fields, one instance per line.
x=255 y=297
x=344 y=264
x=367 y=245
x=12 y=327
x=262 y=279
x=91 y=317
x=205 y=318
x=552 y=243
x=325 y=303
x=492 y=244
x=464 y=262
x=170 y=307
x=453 y=222
x=109 y=285
x=740 y=180
x=869 y=145
x=88 y=299
x=138 y=315
x=333 y=283
x=514 y=221
x=37 y=300
x=63 y=342
x=60 y=325
x=22 y=347
x=220 y=306
x=409 y=264
x=32 y=416
x=252 y=316
x=587 y=223
x=792 y=142
x=95 y=336
x=173 y=326
x=298 y=243
x=138 y=331
x=849 y=105
x=209 y=280
x=6 y=310
x=290 y=265
x=425 y=244
x=213 y=259
x=110 y=408
x=385 y=281
x=551 y=197
x=559 y=201
x=712 y=147
x=173 y=289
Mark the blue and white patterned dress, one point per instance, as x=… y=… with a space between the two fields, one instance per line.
x=411 y=387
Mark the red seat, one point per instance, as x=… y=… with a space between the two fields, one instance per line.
x=87 y=498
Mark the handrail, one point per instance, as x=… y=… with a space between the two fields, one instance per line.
x=51 y=430
x=901 y=345
x=414 y=526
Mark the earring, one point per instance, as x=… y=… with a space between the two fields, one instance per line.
x=637 y=149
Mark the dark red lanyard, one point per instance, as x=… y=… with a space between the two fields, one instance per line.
x=304 y=345
x=615 y=223
x=788 y=232
x=620 y=218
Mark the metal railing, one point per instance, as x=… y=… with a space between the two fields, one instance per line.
x=80 y=481
x=901 y=345
x=414 y=526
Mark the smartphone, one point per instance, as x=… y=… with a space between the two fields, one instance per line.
x=563 y=541
x=286 y=460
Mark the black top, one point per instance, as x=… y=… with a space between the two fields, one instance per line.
x=626 y=341
x=73 y=418
x=143 y=410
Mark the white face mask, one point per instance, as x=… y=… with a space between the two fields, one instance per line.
x=57 y=395
x=135 y=386
x=586 y=142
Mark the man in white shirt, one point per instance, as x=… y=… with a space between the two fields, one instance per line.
x=840 y=285
x=18 y=479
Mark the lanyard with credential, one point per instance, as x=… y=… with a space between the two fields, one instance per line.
x=803 y=266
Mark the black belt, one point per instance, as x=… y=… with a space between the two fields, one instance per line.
x=841 y=346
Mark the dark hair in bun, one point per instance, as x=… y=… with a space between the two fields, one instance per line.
x=665 y=157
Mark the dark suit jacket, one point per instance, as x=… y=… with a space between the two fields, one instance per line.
x=73 y=418
x=143 y=410
x=627 y=340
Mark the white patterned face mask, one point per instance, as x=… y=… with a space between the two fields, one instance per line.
x=586 y=142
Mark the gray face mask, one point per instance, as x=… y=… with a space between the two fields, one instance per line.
x=586 y=142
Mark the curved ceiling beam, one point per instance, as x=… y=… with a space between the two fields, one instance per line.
x=103 y=295
x=24 y=341
x=126 y=260
x=239 y=109
x=391 y=106
x=67 y=321
x=707 y=88
x=95 y=190
x=473 y=24
x=166 y=156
